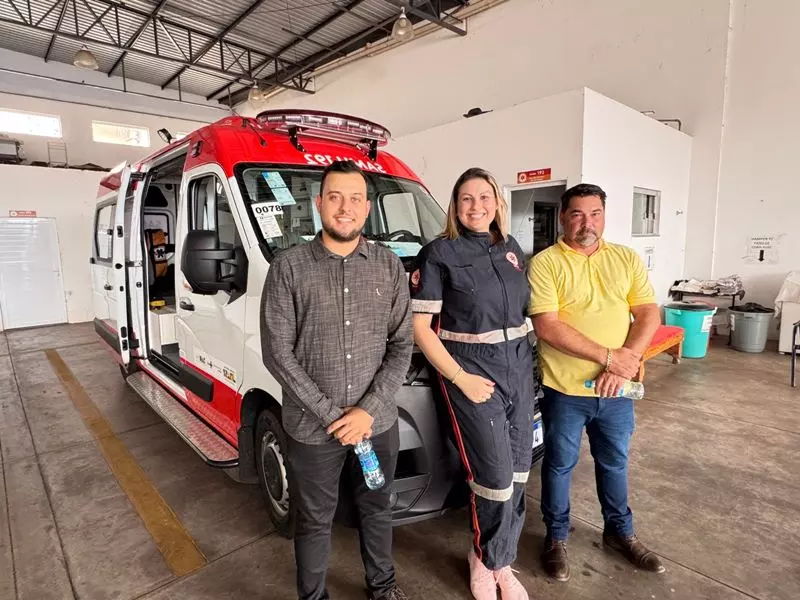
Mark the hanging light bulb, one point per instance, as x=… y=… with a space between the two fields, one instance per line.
x=402 y=29
x=256 y=96
x=85 y=59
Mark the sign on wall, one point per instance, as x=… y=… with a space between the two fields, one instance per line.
x=762 y=249
x=22 y=214
x=534 y=176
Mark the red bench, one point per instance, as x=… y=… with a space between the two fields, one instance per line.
x=667 y=339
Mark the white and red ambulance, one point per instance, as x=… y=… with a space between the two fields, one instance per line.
x=181 y=247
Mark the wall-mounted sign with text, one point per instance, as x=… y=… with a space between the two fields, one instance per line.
x=762 y=249
x=22 y=214
x=534 y=176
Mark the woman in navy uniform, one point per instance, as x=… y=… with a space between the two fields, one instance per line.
x=473 y=278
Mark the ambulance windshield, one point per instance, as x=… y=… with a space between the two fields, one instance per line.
x=281 y=205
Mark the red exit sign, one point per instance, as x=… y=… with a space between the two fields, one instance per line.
x=534 y=176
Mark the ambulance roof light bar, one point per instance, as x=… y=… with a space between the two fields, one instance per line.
x=325 y=125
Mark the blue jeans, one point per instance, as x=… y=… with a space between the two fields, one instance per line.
x=609 y=423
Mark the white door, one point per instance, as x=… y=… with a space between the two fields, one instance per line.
x=31 y=286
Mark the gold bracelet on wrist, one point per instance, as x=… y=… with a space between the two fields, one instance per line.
x=608 y=360
x=460 y=370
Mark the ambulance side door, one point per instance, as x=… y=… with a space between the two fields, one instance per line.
x=210 y=325
x=114 y=329
x=101 y=259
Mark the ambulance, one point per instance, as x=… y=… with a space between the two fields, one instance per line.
x=181 y=247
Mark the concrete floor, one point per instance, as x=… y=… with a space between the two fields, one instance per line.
x=715 y=490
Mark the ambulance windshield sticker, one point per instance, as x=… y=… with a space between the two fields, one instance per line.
x=267 y=214
x=279 y=188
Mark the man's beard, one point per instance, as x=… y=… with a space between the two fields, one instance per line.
x=586 y=237
x=341 y=238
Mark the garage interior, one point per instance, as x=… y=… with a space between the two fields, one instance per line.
x=684 y=112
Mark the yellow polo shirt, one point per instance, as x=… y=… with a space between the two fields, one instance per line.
x=594 y=295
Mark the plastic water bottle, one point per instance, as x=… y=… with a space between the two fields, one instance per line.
x=632 y=389
x=370 y=466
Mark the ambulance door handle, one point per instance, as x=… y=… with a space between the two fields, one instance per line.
x=185 y=304
x=108 y=287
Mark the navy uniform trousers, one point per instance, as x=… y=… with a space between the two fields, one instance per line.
x=495 y=440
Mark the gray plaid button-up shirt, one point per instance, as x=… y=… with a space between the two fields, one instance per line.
x=336 y=332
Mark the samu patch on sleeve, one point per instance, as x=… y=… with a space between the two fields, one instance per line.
x=415 y=279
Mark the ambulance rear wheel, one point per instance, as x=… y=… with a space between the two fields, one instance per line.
x=271 y=448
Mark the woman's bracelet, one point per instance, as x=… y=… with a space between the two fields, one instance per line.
x=608 y=360
x=460 y=370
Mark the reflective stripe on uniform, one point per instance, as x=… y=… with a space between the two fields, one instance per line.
x=521 y=477
x=490 y=494
x=433 y=307
x=490 y=337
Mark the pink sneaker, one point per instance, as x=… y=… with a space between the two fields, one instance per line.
x=510 y=587
x=481 y=579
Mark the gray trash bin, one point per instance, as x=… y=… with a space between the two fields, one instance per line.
x=749 y=327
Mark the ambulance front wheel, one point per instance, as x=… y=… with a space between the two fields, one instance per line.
x=271 y=446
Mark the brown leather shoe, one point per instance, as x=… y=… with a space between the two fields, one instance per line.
x=635 y=551
x=554 y=559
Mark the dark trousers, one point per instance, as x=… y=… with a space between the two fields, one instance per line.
x=495 y=439
x=609 y=424
x=314 y=472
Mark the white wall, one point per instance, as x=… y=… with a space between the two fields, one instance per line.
x=74 y=99
x=504 y=142
x=28 y=75
x=68 y=196
x=584 y=137
x=663 y=56
x=76 y=127
x=761 y=151
x=624 y=149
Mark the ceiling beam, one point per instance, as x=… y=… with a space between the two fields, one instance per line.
x=342 y=9
x=319 y=45
x=346 y=45
x=55 y=31
x=422 y=14
x=98 y=20
x=241 y=79
x=190 y=32
x=21 y=16
x=278 y=79
x=216 y=39
x=135 y=37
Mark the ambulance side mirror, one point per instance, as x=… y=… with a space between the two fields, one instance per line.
x=204 y=263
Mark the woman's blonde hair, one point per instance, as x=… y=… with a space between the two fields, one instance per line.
x=499 y=226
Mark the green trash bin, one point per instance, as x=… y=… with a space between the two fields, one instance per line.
x=750 y=327
x=695 y=319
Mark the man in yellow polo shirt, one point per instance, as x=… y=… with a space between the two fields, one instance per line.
x=584 y=293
